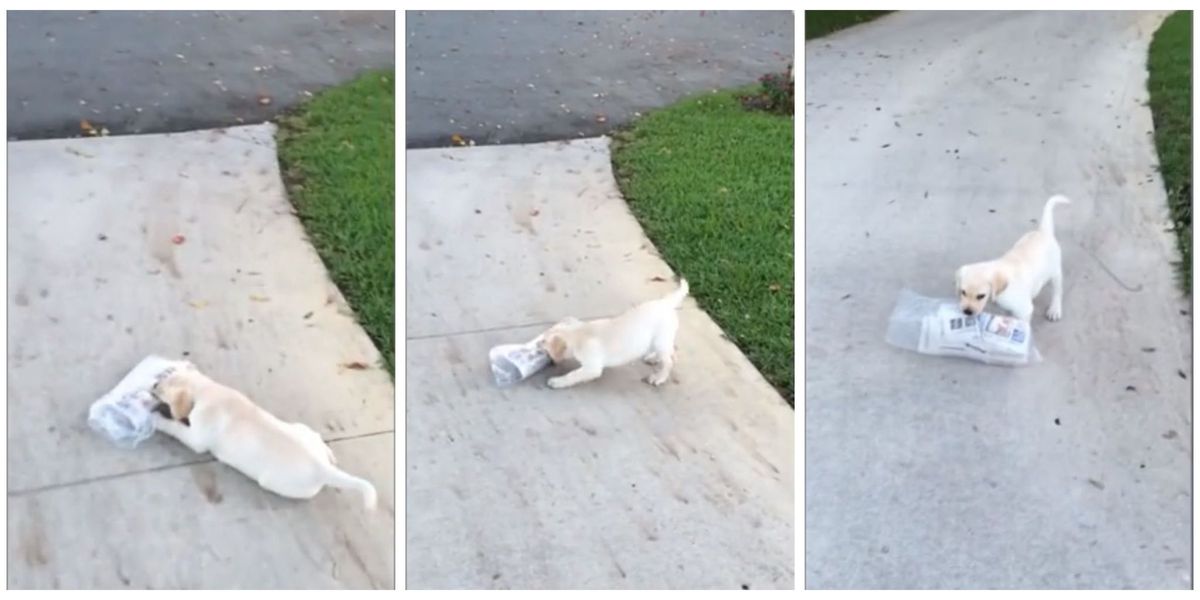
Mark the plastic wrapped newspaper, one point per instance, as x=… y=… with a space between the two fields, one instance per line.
x=123 y=414
x=512 y=363
x=938 y=327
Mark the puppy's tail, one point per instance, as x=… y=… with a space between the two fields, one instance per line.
x=1047 y=222
x=676 y=297
x=341 y=479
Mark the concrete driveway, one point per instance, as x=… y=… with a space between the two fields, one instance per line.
x=612 y=484
x=159 y=71
x=96 y=281
x=504 y=77
x=933 y=140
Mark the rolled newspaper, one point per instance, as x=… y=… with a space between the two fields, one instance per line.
x=938 y=327
x=512 y=363
x=123 y=414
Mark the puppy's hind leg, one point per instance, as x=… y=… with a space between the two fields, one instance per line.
x=663 y=372
x=664 y=351
x=1054 y=312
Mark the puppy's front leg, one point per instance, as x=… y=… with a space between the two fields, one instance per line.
x=585 y=372
x=1021 y=308
x=185 y=434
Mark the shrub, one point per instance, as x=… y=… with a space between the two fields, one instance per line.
x=776 y=93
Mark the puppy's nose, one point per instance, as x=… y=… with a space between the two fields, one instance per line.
x=968 y=311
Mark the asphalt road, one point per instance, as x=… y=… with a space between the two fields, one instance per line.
x=166 y=71
x=934 y=139
x=516 y=77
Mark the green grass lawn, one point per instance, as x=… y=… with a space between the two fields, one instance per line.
x=1170 y=85
x=712 y=184
x=824 y=22
x=337 y=154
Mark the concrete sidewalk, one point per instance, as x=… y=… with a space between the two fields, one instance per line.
x=95 y=284
x=934 y=140
x=611 y=484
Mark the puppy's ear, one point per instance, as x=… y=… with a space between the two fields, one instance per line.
x=999 y=282
x=179 y=399
x=556 y=347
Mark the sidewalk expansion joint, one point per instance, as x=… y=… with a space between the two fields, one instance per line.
x=114 y=476
x=430 y=336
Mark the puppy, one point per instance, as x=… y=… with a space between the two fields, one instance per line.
x=1015 y=279
x=289 y=459
x=646 y=331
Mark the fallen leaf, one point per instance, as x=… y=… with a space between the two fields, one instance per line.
x=86 y=126
x=178 y=239
x=457 y=140
x=258 y=298
x=774 y=287
x=357 y=366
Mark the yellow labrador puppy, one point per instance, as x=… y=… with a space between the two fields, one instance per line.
x=289 y=459
x=1015 y=279
x=646 y=331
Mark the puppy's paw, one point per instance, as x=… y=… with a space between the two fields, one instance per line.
x=657 y=378
x=1054 y=313
x=651 y=359
x=556 y=383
